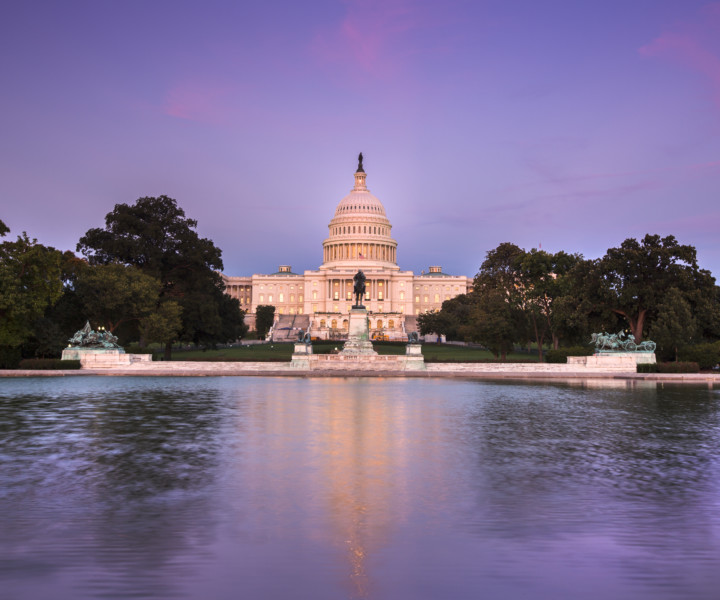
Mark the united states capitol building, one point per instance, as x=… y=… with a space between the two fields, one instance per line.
x=359 y=238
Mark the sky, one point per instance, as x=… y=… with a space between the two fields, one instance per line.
x=561 y=124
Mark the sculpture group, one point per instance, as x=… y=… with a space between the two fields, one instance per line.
x=87 y=338
x=618 y=342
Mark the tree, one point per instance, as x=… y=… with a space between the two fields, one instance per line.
x=155 y=236
x=634 y=279
x=264 y=318
x=493 y=322
x=30 y=282
x=674 y=327
x=162 y=325
x=115 y=294
x=543 y=281
x=449 y=320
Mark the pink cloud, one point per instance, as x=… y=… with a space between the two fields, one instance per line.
x=694 y=45
x=372 y=36
x=197 y=101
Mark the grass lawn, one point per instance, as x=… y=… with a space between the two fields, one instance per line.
x=283 y=352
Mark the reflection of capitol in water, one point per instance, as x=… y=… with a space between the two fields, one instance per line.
x=352 y=482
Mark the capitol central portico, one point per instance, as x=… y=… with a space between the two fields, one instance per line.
x=359 y=237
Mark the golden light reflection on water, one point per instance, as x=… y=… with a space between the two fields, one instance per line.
x=354 y=450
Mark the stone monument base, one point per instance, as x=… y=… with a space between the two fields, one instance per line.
x=613 y=359
x=358 y=342
x=103 y=358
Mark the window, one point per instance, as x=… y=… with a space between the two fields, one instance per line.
x=300 y=298
x=281 y=297
x=314 y=294
x=270 y=298
x=417 y=299
x=426 y=299
x=292 y=297
x=380 y=294
x=379 y=324
x=333 y=323
x=322 y=322
x=402 y=295
x=391 y=324
x=336 y=296
x=437 y=297
x=262 y=298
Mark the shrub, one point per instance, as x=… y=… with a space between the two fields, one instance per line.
x=678 y=367
x=560 y=355
x=9 y=357
x=48 y=364
x=647 y=368
x=705 y=355
x=136 y=349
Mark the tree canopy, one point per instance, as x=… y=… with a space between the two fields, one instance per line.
x=646 y=285
x=635 y=278
x=30 y=282
x=155 y=236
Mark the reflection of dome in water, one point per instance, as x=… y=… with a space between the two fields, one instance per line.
x=360 y=230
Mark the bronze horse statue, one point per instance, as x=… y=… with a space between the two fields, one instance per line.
x=359 y=288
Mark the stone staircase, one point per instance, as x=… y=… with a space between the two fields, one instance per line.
x=286 y=328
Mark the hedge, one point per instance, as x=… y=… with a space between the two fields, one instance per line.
x=48 y=364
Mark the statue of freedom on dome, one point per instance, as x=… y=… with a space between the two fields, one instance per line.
x=359 y=288
x=360 y=165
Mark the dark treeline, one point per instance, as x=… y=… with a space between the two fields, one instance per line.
x=652 y=289
x=146 y=277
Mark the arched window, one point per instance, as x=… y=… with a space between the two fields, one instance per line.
x=322 y=322
x=379 y=324
x=345 y=324
x=333 y=323
x=391 y=324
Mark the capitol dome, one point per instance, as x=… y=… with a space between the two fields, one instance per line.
x=359 y=233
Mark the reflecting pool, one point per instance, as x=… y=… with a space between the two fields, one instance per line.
x=265 y=488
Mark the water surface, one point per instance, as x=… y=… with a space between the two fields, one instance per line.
x=357 y=488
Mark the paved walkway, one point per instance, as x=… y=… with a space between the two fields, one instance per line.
x=268 y=370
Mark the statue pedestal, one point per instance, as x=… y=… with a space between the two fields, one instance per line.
x=98 y=358
x=358 y=342
x=301 y=356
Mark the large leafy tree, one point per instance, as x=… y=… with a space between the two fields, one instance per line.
x=493 y=322
x=633 y=280
x=449 y=320
x=155 y=236
x=116 y=294
x=264 y=317
x=30 y=282
x=543 y=287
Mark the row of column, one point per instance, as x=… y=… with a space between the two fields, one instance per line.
x=355 y=251
x=373 y=287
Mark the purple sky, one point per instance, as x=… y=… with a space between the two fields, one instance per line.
x=571 y=124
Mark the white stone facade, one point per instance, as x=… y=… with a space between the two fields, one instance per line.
x=359 y=237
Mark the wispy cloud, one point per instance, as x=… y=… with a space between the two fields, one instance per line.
x=372 y=37
x=199 y=101
x=695 y=44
